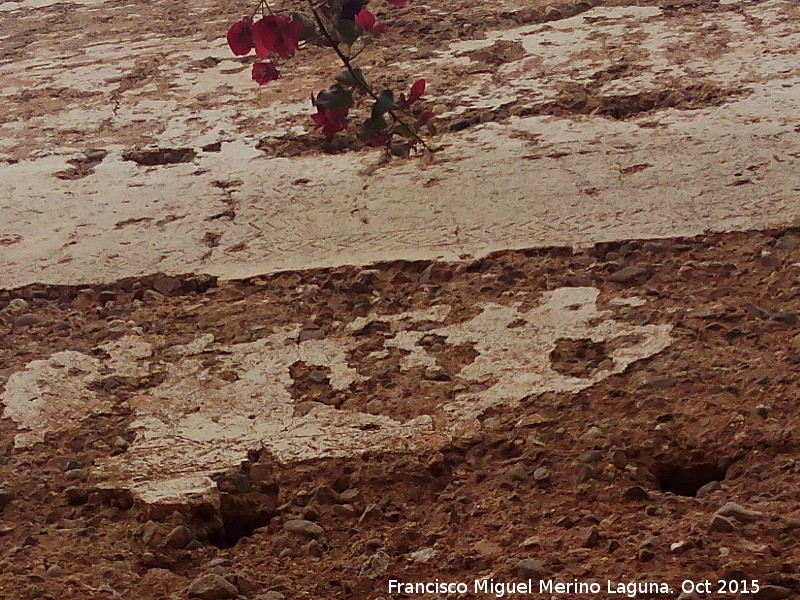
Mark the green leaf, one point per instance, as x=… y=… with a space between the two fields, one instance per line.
x=384 y=104
x=347 y=79
x=309 y=26
x=348 y=31
x=401 y=149
x=405 y=130
x=334 y=98
x=370 y=128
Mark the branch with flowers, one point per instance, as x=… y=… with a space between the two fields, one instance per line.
x=394 y=121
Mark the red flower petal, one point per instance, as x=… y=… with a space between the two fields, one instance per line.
x=240 y=37
x=424 y=117
x=277 y=34
x=366 y=20
x=264 y=38
x=331 y=121
x=264 y=72
x=397 y=2
x=417 y=90
x=293 y=33
x=378 y=140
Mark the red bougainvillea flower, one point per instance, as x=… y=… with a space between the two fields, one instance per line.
x=397 y=2
x=264 y=72
x=378 y=140
x=366 y=20
x=332 y=121
x=417 y=89
x=277 y=34
x=423 y=117
x=240 y=36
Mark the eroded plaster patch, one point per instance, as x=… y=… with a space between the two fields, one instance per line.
x=194 y=424
x=55 y=394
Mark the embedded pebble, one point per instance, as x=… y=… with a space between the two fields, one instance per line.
x=656 y=246
x=260 y=472
x=459 y=124
x=552 y=13
x=619 y=459
x=529 y=568
x=518 y=473
x=592 y=456
x=271 y=595
x=711 y=486
x=244 y=583
x=542 y=474
x=28 y=320
x=637 y=493
x=319 y=376
x=6 y=496
x=326 y=495
x=310 y=333
x=152 y=296
x=179 y=537
x=532 y=542
x=488 y=549
x=376 y=565
x=234 y=483
x=217 y=562
x=164 y=284
x=372 y=511
x=592 y=538
x=301 y=409
x=662 y=383
x=55 y=571
x=423 y=555
x=721 y=524
x=76 y=496
x=785 y=316
x=740 y=513
x=787 y=242
x=772 y=592
x=14 y=306
x=212 y=587
x=345 y=510
x=626 y=274
x=593 y=432
x=756 y=311
x=73 y=474
x=349 y=496
x=303 y=527
x=646 y=555
x=70 y=465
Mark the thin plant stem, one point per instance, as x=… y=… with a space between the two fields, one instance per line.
x=260 y=7
x=346 y=62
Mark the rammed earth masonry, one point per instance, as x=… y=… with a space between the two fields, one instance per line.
x=500 y=589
